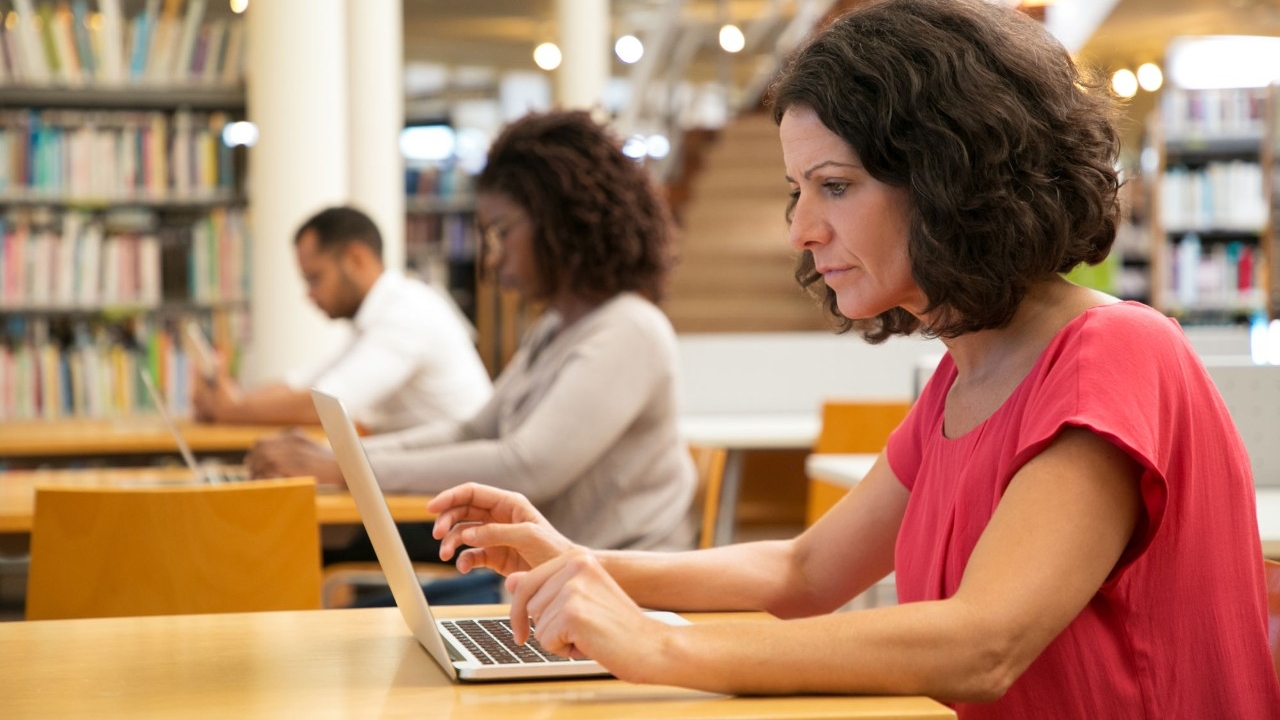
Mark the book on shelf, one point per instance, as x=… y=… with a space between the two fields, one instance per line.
x=110 y=44
x=34 y=66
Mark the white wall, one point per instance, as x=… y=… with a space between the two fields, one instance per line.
x=789 y=372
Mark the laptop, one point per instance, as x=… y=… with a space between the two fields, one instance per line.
x=209 y=473
x=477 y=648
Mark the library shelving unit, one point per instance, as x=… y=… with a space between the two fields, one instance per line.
x=121 y=217
x=1213 y=253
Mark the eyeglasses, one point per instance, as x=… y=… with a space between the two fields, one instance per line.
x=494 y=235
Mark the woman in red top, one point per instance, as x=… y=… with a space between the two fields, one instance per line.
x=1068 y=507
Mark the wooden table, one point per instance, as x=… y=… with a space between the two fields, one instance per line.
x=123 y=436
x=738 y=433
x=17 y=494
x=330 y=664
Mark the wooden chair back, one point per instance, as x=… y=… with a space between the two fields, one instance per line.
x=858 y=427
x=850 y=427
x=117 y=551
x=709 y=461
x=1273 y=611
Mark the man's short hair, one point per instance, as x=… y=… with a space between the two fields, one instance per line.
x=339 y=226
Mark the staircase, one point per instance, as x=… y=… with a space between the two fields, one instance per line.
x=736 y=270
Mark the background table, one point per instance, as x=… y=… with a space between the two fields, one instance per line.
x=132 y=436
x=17 y=494
x=738 y=433
x=330 y=664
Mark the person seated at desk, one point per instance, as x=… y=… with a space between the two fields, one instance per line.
x=410 y=361
x=583 y=420
x=1068 y=507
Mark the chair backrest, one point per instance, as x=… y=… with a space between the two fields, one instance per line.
x=157 y=550
x=850 y=426
x=1273 y=611
x=709 y=462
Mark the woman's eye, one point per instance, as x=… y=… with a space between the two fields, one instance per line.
x=836 y=189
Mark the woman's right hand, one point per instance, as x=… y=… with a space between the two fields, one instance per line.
x=502 y=529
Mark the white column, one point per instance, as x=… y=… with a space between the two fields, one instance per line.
x=297 y=97
x=375 y=84
x=584 y=31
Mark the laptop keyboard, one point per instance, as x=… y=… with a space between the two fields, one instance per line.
x=492 y=643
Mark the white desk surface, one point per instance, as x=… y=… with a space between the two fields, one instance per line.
x=848 y=470
x=753 y=431
x=839 y=468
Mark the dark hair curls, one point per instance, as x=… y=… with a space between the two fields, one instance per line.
x=600 y=226
x=1007 y=151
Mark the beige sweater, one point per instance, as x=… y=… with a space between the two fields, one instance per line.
x=583 y=422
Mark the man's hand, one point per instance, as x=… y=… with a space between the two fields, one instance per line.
x=212 y=398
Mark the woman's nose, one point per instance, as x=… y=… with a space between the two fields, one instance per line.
x=806 y=228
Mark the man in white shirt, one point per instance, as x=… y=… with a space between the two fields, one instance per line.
x=410 y=361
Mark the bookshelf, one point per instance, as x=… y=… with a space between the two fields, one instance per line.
x=1213 y=251
x=122 y=211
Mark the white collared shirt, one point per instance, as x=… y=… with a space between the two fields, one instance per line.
x=410 y=360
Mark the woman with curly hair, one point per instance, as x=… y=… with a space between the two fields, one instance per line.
x=1068 y=508
x=583 y=419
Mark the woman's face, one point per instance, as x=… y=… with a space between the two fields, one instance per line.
x=507 y=232
x=855 y=226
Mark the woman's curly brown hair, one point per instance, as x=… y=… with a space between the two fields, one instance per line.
x=1007 y=150
x=600 y=226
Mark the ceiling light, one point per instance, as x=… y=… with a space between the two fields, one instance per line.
x=657 y=146
x=1223 y=61
x=732 y=39
x=635 y=147
x=239 y=6
x=1150 y=78
x=547 y=56
x=629 y=49
x=1124 y=83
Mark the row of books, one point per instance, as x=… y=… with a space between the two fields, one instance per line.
x=66 y=43
x=1216 y=113
x=1217 y=196
x=1218 y=276
x=82 y=264
x=114 y=156
x=92 y=369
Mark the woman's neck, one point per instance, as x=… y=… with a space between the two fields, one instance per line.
x=572 y=308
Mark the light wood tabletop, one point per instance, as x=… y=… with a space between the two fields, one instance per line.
x=331 y=664
x=124 y=436
x=18 y=491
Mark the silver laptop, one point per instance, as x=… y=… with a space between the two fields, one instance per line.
x=476 y=648
x=209 y=473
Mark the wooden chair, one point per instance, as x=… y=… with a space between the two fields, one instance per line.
x=709 y=462
x=341 y=580
x=157 y=550
x=1273 y=611
x=850 y=427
